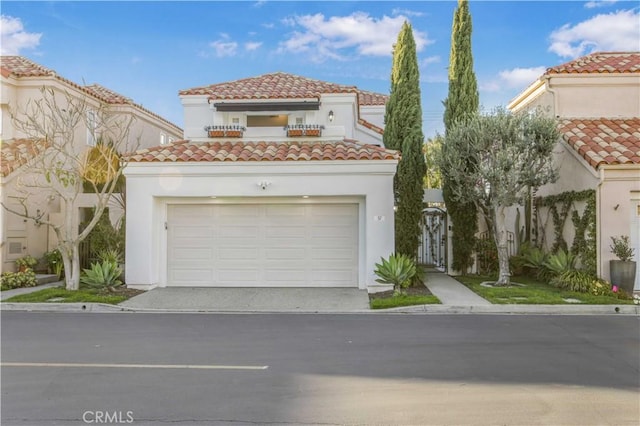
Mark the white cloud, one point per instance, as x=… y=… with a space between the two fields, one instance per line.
x=430 y=60
x=599 y=3
x=259 y=3
x=406 y=12
x=269 y=25
x=252 y=45
x=329 y=37
x=520 y=77
x=13 y=37
x=616 y=31
x=224 y=46
x=516 y=78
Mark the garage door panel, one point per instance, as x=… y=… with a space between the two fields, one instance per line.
x=293 y=245
x=238 y=231
x=284 y=254
x=286 y=232
x=333 y=254
x=191 y=276
x=233 y=276
x=196 y=254
x=239 y=253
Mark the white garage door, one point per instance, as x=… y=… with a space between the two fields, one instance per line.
x=263 y=245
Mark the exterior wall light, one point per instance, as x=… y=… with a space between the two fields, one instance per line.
x=331 y=116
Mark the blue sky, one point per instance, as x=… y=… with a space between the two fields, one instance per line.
x=148 y=51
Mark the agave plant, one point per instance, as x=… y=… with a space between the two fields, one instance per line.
x=102 y=276
x=560 y=262
x=399 y=270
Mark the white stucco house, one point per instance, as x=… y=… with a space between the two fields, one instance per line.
x=21 y=82
x=597 y=100
x=281 y=181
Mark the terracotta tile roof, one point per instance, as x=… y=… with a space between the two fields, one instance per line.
x=604 y=141
x=22 y=67
x=19 y=67
x=600 y=63
x=185 y=151
x=17 y=152
x=371 y=98
x=108 y=95
x=371 y=126
x=280 y=85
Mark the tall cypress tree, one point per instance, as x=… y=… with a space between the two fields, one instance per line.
x=462 y=102
x=403 y=131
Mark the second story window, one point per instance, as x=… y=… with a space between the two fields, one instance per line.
x=267 y=120
x=299 y=120
x=92 y=127
x=163 y=139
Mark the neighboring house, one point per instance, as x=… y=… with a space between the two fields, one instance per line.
x=597 y=100
x=282 y=181
x=21 y=82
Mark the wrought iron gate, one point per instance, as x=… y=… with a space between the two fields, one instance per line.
x=433 y=244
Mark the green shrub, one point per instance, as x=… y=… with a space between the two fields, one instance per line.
x=54 y=262
x=101 y=276
x=399 y=270
x=9 y=280
x=111 y=255
x=560 y=262
x=27 y=262
x=621 y=248
x=574 y=280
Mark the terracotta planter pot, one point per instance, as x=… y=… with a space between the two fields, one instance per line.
x=623 y=274
x=234 y=134
x=312 y=132
x=216 y=133
x=294 y=133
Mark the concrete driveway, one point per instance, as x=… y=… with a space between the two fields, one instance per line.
x=250 y=299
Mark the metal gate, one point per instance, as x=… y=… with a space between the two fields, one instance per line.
x=433 y=244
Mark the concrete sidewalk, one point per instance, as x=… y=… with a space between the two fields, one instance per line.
x=450 y=291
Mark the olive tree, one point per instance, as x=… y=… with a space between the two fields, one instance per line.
x=59 y=123
x=510 y=154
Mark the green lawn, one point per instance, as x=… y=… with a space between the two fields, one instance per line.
x=66 y=296
x=534 y=293
x=406 y=300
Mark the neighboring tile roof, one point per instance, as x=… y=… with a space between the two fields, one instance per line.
x=23 y=67
x=600 y=62
x=19 y=67
x=108 y=95
x=185 y=151
x=281 y=85
x=17 y=152
x=604 y=141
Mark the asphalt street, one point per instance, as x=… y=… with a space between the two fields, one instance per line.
x=199 y=369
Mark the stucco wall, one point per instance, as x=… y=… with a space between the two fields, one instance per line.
x=618 y=214
x=151 y=186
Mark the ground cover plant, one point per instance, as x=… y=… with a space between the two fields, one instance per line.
x=83 y=295
x=534 y=291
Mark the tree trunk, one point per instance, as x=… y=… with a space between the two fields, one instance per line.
x=71 y=260
x=501 y=243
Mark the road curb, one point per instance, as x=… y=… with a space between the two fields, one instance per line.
x=415 y=310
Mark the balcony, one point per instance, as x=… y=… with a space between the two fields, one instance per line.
x=299 y=130
x=225 y=131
